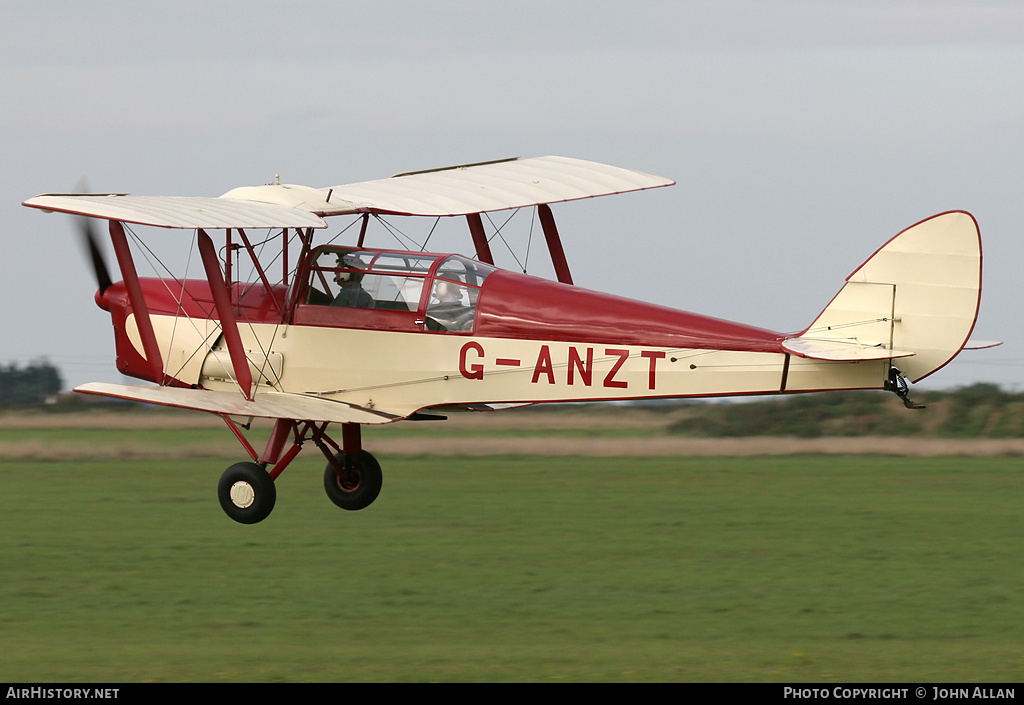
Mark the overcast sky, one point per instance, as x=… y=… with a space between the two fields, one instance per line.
x=802 y=135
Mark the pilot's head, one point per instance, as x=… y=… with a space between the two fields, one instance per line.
x=447 y=291
x=349 y=261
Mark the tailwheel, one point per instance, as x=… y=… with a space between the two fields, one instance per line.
x=356 y=481
x=247 y=493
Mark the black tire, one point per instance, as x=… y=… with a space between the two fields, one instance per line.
x=360 y=485
x=247 y=493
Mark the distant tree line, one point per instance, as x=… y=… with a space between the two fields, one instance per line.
x=979 y=411
x=29 y=385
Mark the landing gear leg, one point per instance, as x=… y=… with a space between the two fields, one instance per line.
x=352 y=478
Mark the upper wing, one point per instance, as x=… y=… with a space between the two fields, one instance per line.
x=461 y=190
x=270 y=405
x=179 y=211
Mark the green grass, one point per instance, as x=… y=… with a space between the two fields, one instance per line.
x=192 y=436
x=799 y=569
x=106 y=436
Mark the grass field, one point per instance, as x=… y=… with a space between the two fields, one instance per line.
x=590 y=430
x=807 y=569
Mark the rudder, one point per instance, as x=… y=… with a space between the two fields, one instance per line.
x=919 y=293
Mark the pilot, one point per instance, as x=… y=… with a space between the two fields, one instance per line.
x=448 y=311
x=448 y=293
x=352 y=292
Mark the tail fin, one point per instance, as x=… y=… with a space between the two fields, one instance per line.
x=916 y=298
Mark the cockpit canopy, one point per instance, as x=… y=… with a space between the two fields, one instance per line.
x=445 y=289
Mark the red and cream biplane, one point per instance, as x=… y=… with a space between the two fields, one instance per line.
x=351 y=335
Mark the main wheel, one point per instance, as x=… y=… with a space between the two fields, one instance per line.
x=247 y=493
x=358 y=486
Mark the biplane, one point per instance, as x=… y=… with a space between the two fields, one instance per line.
x=333 y=334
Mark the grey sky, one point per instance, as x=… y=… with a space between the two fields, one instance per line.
x=802 y=135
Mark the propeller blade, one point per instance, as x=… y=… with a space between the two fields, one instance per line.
x=92 y=246
x=99 y=265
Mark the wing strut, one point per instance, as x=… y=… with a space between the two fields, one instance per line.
x=137 y=300
x=547 y=221
x=228 y=323
x=259 y=270
x=362 y=229
x=476 y=229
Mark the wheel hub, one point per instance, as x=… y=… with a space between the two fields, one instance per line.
x=242 y=494
x=349 y=482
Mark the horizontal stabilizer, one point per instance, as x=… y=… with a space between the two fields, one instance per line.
x=839 y=350
x=267 y=405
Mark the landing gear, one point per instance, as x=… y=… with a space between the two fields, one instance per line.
x=897 y=384
x=353 y=481
x=247 y=493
